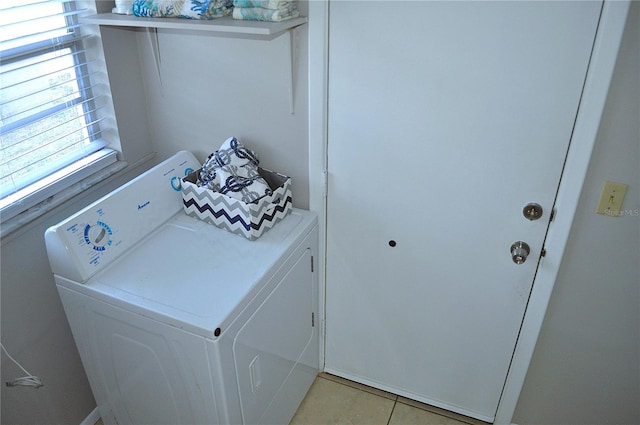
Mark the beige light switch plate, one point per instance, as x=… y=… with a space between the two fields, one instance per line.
x=611 y=198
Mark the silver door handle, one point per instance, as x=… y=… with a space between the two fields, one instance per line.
x=519 y=252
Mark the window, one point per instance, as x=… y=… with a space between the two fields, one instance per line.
x=50 y=133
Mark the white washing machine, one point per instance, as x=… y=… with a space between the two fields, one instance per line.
x=179 y=322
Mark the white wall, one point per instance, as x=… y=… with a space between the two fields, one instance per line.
x=212 y=87
x=586 y=366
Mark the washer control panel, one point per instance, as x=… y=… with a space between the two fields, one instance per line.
x=85 y=242
x=97 y=235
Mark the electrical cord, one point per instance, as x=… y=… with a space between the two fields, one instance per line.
x=26 y=381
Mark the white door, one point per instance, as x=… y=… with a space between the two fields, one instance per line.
x=445 y=120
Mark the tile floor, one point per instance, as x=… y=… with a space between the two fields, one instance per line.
x=336 y=401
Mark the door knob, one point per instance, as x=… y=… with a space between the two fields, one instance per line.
x=519 y=252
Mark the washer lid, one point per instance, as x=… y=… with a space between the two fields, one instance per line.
x=193 y=275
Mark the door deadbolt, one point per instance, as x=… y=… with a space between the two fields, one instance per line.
x=519 y=252
x=532 y=211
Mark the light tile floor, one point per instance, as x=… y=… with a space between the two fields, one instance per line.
x=336 y=401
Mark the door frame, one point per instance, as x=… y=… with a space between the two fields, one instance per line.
x=594 y=96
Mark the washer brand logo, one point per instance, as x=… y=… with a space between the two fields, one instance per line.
x=143 y=205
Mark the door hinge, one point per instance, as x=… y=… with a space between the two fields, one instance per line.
x=312 y=264
x=325 y=182
x=313 y=319
x=543 y=253
x=552 y=215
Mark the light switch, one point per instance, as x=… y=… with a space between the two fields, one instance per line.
x=611 y=198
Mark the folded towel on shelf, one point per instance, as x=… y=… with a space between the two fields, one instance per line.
x=193 y=9
x=157 y=8
x=265 y=4
x=262 y=14
x=233 y=170
x=206 y=9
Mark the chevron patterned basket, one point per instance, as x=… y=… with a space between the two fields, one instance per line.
x=233 y=215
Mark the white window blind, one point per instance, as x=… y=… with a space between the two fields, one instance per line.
x=50 y=125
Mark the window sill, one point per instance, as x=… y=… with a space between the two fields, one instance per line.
x=10 y=225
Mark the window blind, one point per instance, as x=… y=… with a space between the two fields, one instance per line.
x=49 y=116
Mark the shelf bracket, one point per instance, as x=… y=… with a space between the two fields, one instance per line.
x=293 y=60
x=154 y=42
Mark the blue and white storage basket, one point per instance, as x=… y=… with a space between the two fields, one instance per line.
x=250 y=220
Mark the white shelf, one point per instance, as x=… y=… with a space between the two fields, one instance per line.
x=225 y=24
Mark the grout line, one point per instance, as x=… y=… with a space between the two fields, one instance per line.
x=392 y=410
x=441 y=412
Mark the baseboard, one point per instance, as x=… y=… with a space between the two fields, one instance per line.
x=92 y=418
